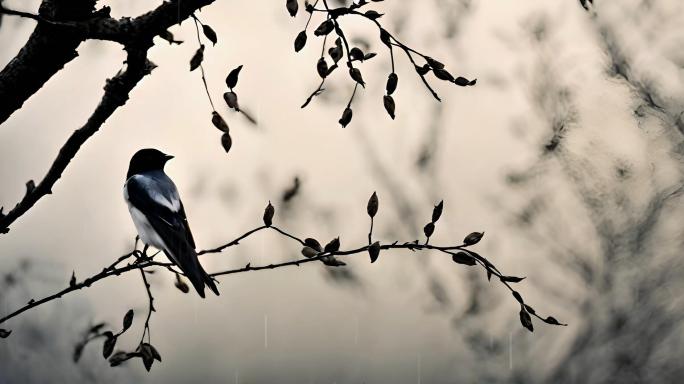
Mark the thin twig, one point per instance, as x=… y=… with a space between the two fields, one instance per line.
x=204 y=78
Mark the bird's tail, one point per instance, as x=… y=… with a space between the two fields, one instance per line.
x=195 y=273
x=209 y=281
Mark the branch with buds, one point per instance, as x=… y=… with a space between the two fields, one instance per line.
x=342 y=48
x=311 y=249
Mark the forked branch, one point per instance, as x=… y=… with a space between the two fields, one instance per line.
x=312 y=251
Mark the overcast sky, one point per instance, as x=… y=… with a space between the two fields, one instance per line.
x=296 y=325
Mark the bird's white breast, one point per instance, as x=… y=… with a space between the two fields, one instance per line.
x=145 y=230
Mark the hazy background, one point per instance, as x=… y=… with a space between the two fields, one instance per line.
x=568 y=153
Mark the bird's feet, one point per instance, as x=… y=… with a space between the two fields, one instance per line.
x=142 y=256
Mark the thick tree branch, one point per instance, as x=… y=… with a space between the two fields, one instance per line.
x=60 y=30
x=45 y=53
x=129 y=30
x=115 y=95
x=135 y=34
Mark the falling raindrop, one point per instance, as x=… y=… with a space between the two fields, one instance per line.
x=510 y=351
x=265 y=331
x=419 y=374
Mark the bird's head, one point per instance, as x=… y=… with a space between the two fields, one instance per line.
x=148 y=159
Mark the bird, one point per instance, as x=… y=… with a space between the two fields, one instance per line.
x=159 y=216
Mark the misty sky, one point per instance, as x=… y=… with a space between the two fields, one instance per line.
x=387 y=327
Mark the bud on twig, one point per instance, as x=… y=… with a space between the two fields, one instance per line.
x=268 y=215
x=372 y=207
x=309 y=252
x=437 y=211
x=429 y=229
x=374 y=251
x=232 y=78
x=346 y=117
x=392 y=81
x=292 y=7
x=313 y=243
x=300 y=41
x=218 y=122
x=463 y=258
x=473 y=238
x=333 y=245
x=226 y=142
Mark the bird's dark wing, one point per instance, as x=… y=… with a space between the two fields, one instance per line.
x=156 y=197
x=181 y=212
x=158 y=200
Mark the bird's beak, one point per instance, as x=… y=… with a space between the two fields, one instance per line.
x=168 y=157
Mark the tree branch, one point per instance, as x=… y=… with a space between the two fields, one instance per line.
x=62 y=26
x=38 y=61
x=115 y=96
x=461 y=254
x=47 y=51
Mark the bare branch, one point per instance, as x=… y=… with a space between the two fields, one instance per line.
x=61 y=29
x=115 y=96
x=461 y=254
x=47 y=50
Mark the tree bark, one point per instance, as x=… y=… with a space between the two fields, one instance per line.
x=47 y=51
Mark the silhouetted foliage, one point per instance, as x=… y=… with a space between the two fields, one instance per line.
x=62 y=28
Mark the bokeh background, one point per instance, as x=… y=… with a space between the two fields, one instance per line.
x=568 y=153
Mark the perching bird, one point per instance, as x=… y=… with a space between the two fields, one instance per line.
x=159 y=216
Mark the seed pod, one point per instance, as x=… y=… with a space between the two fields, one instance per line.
x=218 y=122
x=128 y=319
x=355 y=74
x=423 y=70
x=232 y=100
x=336 y=51
x=373 y=15
x=526 y=320
x=232 y=78
x=147 y=356
x=443 y=74
x=392 y=81
x=437 y=211
x=322 y=67
x=197 y=58
x=473 y=238
x=356 y=54
x=385 y=38
x=552 y=320
x=374 y=251
x=429 y=229
x=268 y=215
x=309 y=252
x=108 y=346
x=181 y=285
x=434 y=63
x=463 y=82
x=325 y=28
x=313 y=243
x=463 y=258
x=210 y=34
x=372 y=207
x=300 y=41
x=226 y=142
x=346 y=117
x=333 y=245
x=388 y=102
x=292 y=7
